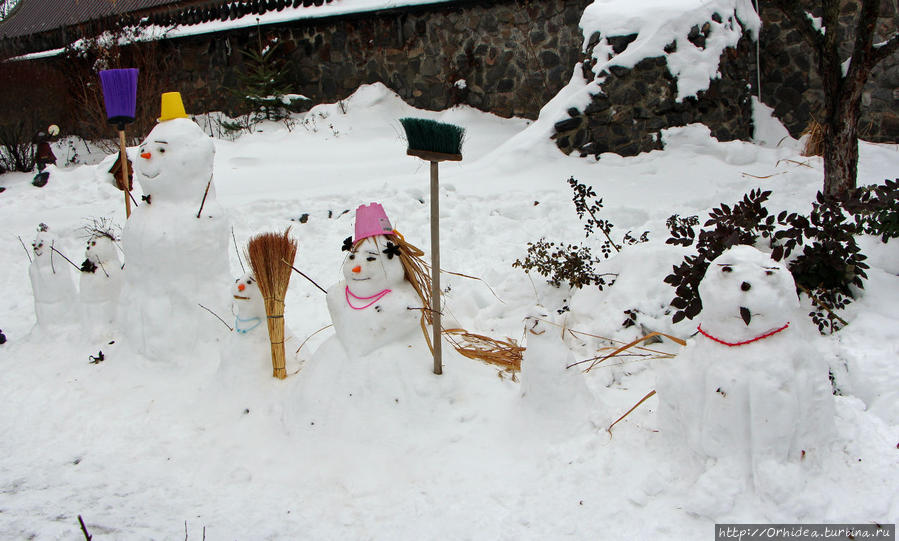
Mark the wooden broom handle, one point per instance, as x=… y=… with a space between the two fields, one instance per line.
x=435 y=269
x=125 y=184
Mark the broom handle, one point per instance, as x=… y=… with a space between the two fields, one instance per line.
x=125 y=183
x=435 y=269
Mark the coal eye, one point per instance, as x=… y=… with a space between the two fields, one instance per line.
x=369 y=258
x=352 y=256
x=727 y=269
x=249 y=281
x=162 y=151
x=769 y=272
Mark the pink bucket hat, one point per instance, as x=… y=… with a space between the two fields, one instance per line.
x=371 y=220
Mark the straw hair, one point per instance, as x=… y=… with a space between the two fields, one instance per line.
x=502 y=353
x=267 y=253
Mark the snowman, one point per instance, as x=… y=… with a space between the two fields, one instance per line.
x=248 y=307
x=51 y=282
x=750 y=391
x=100 y=281
x=555 y=399
x=175 y=242
x=375 y=304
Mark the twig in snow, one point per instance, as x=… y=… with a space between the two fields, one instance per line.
x=24 y=248
x=216 y=315
x=304 y=276
x=87 y=536
x=64 y=257
x=203 y=203
x=236 y=249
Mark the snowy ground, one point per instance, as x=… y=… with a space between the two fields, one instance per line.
x=145 y=449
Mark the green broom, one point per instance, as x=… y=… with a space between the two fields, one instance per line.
x=434 y=142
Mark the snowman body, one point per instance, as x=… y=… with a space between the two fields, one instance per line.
x=555 y=398
x=100 y=283
x=176 y=261
x=749 y=390
x=51 y=284
x=374 y=305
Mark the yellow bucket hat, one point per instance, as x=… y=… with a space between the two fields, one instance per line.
x=172 y=107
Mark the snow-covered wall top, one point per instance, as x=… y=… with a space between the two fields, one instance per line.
x=657 y=24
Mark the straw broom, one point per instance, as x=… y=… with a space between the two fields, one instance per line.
x=268 y=253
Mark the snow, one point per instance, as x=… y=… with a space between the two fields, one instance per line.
x=377 y=446
x=658 y=23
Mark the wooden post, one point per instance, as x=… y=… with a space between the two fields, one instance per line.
x=126 y=185
x=435 y=269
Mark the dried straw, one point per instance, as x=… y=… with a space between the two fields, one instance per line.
x=265 y=253
x=814 y=143
x=503 y=353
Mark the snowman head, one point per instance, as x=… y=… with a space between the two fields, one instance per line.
x=248 y=301
x=373 y=265
x=100 y=248
x=42 y=241
x=745 y=294
x=175 y=163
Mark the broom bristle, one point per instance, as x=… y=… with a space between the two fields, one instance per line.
x=119 y=94
x=432 y=136
x=267 y=253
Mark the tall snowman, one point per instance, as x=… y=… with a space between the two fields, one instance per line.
x=175 y=242
x=749 y=395
x=375 y=304
x=51 y=282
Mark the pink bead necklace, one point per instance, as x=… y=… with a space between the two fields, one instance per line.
x=374 y=298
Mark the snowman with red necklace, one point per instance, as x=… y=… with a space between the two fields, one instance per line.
x=750 y=395
x=375 y=304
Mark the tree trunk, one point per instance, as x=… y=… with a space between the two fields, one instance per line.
x=841 y=152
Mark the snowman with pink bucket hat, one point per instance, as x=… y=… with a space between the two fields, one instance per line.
x=378 y=302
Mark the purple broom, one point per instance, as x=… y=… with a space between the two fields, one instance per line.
x=120 y=97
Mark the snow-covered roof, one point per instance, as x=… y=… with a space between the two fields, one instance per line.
x=37 y=16
x=31 y=17
x=35 y=26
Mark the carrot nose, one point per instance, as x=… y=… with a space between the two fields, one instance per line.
x=357 y=269
x=145 y=155
x=241 y=287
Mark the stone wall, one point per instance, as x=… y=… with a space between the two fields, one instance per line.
x=513 y=55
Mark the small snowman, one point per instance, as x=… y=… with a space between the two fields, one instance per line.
x=175 y=242
x=248 y=307
x=101 y=278
x=749 y=392
x=554 y=395
x=248 y=351
x=51 y=282
x=376 y=303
